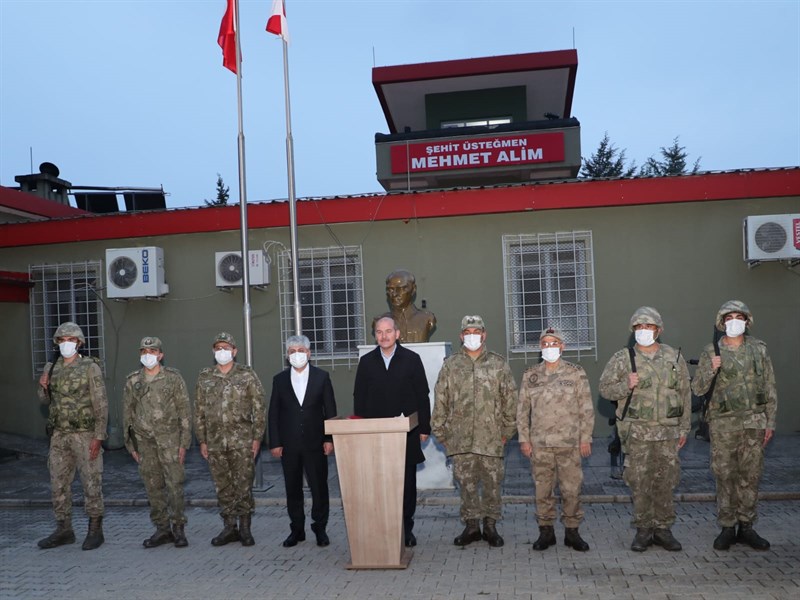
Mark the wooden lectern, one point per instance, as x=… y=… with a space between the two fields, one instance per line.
x=371 y=458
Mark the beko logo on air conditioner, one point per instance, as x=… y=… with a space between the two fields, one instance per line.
x=145 y=265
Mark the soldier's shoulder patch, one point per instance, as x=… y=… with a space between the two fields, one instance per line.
x=758 y=342
x=495 y=355
x=206 y=371
x=172 y=370
x=132 y=374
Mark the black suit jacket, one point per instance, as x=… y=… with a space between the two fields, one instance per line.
x=403 y=388
x=295 y=427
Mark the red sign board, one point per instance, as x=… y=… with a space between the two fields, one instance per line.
x=796 y=233
x=477 y=153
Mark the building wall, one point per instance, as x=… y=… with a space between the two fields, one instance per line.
x=685 y=259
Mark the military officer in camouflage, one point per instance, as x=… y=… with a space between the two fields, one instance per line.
x=555 y=420
x=229 y=422
x=741 y=417
x=78 y=417
x=474 y=415
x=157 y=427
x=654 y=426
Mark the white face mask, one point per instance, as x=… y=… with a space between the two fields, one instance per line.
x=472 y=341
x=735 y=327
x=223 y=357
x=298 y=359
x=68 y=349
x=149 y=360
x=645 y=337
x=551 y=355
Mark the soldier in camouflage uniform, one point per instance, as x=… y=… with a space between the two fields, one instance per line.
x=229 y=422
x=157 y=428
x=78 y=417
x=741 y=418
x=473 y=417
x=555 y=420
x=654 y=428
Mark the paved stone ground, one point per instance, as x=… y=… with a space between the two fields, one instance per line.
x=122 y=568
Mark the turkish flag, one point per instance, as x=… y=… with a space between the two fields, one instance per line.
x=277 y=20
x=227 y=38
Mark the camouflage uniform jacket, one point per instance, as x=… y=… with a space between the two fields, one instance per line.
x=475 y=404
x=745 y=396
x=555 y=408
x=660 y=407
x=78 y=400
x=229 y=408
x=158 y=408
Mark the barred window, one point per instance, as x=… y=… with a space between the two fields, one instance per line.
x=65 y=292
x=331 y=298
x=549 y=281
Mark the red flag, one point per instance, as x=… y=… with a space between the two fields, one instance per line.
x=227 y=38
x=277 y=20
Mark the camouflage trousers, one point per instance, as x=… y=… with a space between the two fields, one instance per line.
x=737 y=459
x=652 y=470
x=68 y=452
x=563 y=466
x=232 y=471
x=163 y=476
x=472 y=471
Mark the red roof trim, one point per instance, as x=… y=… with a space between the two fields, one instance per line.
x=736 y=185
x=34 y=205
x=511 y=63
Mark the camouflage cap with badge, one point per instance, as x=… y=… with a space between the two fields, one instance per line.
x=472 y=322
x=224 y=337
x=150 y=343
x=552 y=332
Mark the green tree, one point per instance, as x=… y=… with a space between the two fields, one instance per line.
x=672 y=162
x=607 y=161
x=223 y=193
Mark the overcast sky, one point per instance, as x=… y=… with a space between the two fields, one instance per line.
x=133 y=92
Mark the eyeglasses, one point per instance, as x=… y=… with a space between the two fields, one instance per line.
x=555 y=344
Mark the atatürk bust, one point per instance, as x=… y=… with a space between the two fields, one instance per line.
x=415 y=324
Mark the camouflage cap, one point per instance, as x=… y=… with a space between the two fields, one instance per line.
x=472 y=321
x=646 y=315
x=552 y=332
x=224 y=337
x=733 y=306
x=150 y=343
x=69 y=329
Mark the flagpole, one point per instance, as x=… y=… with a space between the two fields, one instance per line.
x=298 y=325
x=248 y=334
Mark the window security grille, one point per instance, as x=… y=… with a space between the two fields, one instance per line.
x=331 y=299
x=549 y=281
x=65 y=292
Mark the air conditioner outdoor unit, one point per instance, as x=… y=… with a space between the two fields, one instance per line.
x=772 y=237
x=135 y=272
x=229 y=268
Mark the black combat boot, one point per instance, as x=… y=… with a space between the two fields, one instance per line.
x=229 y=533
x=471 y=533
x=162 y=535
x=319 y=531
x=244 y=530
x=179 y=533
x=574 y=540
x=643 y=539
x=747 y=535
x=725 y=539
x=665 y=539
x=547 y=538
x=62 y=535
x=94 y=537
x=490 y=533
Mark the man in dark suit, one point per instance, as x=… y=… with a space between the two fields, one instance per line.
x=302 y=398
x=391 y=381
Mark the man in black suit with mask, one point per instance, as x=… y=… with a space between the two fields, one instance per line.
x=302 y=398
x=391 y=381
